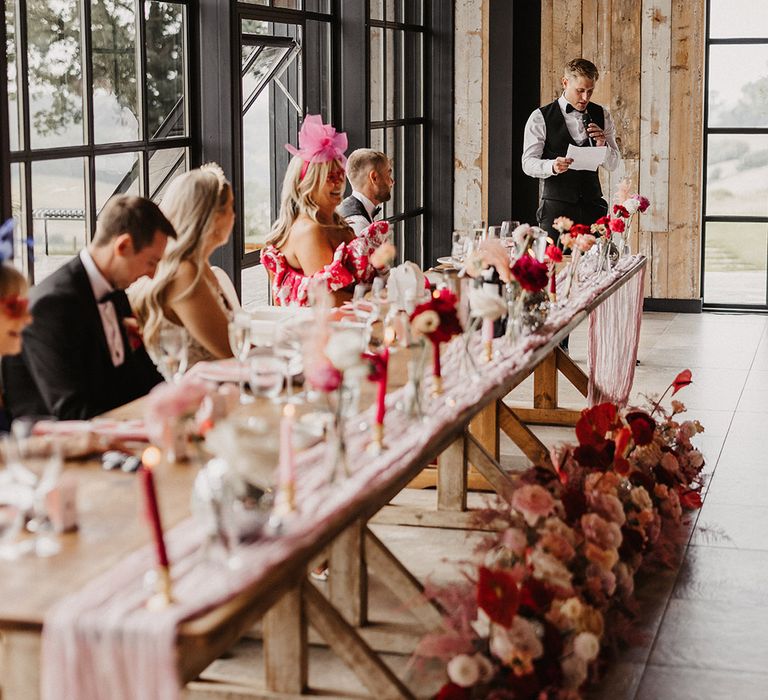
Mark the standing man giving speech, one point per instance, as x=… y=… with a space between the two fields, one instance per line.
x=570 y=120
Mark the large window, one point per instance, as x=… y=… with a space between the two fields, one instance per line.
x=98 y=104
x=736 y=195
x=397 y=54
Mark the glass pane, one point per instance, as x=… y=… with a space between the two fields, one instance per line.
x=55 y=73
x=317 y=51
x=165 y=70
x=399 y=240
x=256 y=2
x=737 y=175
x=398 y=167
x=20 y=250
x=116 y=174
x=255 y=26
x=390 y=13
x=415 y=160
x=257 y=174
x=738 y=18
x=377 y=9
x=414 y=86
x=377 y=74
x=58 y=212
x=165 y=165
x=115 y=103
x=291 y=4
x=377 y=139
x=735 y=256
x=317 y=5
x=13 y=88
x=394 y=76
x=738 y=85
x=413 y=11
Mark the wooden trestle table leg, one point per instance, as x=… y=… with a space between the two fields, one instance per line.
x=285 y=644
x=348 y=580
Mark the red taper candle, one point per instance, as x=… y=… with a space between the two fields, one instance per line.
x=382 y=394
x=150 y=503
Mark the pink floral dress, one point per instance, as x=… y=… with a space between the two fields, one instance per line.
x=350 y=266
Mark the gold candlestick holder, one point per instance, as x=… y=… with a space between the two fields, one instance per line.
x=163 y=597
x=376 y=446
x=488 y=345
x=437 y=386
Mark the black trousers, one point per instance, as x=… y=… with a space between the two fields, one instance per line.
x=580 y=212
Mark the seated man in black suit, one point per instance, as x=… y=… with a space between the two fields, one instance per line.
x=370 y=174
x=78 y=358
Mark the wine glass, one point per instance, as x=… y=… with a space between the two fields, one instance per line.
x=239 y=330
x=288 y=348
x=172 y=341
x=36 y=463
x=507 y=229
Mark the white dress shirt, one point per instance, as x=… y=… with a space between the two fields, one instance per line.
x=107 y=311
x=536 y=133
x=357 y=222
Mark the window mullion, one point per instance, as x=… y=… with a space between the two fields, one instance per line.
x=86 y=49
x=141 y=93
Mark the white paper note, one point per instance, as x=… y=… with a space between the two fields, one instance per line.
x=586 y=157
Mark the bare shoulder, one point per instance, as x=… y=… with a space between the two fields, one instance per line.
x=305 y=230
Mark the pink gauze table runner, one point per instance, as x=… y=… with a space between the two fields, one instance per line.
x=101 y=643
x=614 y=334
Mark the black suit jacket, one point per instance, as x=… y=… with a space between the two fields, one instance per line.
x=65 y=368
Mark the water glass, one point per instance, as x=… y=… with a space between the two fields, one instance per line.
x=507 y=229
x=172 y=342
x=267 y=373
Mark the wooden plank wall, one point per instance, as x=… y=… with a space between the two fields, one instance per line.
x=650 y=54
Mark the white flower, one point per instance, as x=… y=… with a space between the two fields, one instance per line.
x=501 y=645
x=426 y=322
x=487 y=670
x=463 y=670
x=550 y=569
x=343 y=349
x=482 y=625
x=631 y=205
x=486 y=304
x=574 y=671
x=521 y=233
x=586 y=646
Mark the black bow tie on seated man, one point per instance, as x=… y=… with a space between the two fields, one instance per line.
x=120 y=300
x=375 y=212
x=570 y=108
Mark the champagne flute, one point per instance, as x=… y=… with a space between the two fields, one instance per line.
x=240 y=343
x=288 y=348
x=173 y=349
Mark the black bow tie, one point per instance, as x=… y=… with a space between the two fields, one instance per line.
x=120 y=300
x=570 y=108
x=375 y=213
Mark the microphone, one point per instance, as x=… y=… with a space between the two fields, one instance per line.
x=586 y=120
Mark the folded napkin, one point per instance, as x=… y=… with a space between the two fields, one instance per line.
x=229 y=370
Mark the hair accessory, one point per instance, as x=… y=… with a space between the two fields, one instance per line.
x=215 y=168
x=319 y=143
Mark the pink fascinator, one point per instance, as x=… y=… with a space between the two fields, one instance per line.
x=318 y=143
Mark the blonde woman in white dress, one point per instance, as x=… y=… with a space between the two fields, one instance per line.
x=185 y=292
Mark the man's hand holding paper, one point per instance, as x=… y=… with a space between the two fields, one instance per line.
x=586 y=157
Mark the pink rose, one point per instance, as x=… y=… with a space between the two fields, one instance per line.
x=603 y=533
x=533 y=502
x=324 y=377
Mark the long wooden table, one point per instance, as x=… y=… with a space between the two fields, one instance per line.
x=110 y=528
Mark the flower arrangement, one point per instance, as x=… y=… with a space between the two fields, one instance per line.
x=542 y=596
x=437 y=319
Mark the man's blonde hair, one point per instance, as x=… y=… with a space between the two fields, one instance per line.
x=582 y=67
x=361 y=162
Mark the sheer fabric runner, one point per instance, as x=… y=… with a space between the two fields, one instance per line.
x=614 y=334
x=101 y=642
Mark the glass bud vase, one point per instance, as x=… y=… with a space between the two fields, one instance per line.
x=175 y=448
x=572 y=273
x=412 y=392
x=336 y=445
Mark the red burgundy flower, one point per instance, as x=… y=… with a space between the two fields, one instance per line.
x=617 y=225
x=377 y=366
x=682 y=380
x=642 y=427
x=535 y=595
x=14 y=306
x=451 y=691
x=603 y=221
x=596 y=422
x=689 y=499
x=444 y=304
x=554 y=254
x=580 y=229
x=620 y=210
x=531 y=274
x=498 y=595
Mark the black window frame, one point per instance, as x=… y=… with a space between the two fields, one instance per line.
x=707 y=132
x=144 y=147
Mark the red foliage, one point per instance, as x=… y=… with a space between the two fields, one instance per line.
x=498 y=595
x=689 y=498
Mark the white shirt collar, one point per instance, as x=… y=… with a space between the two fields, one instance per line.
x=367 y=203
x=564 y=104
x=99 y=284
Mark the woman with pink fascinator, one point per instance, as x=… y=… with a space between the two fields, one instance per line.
x=309 y=240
